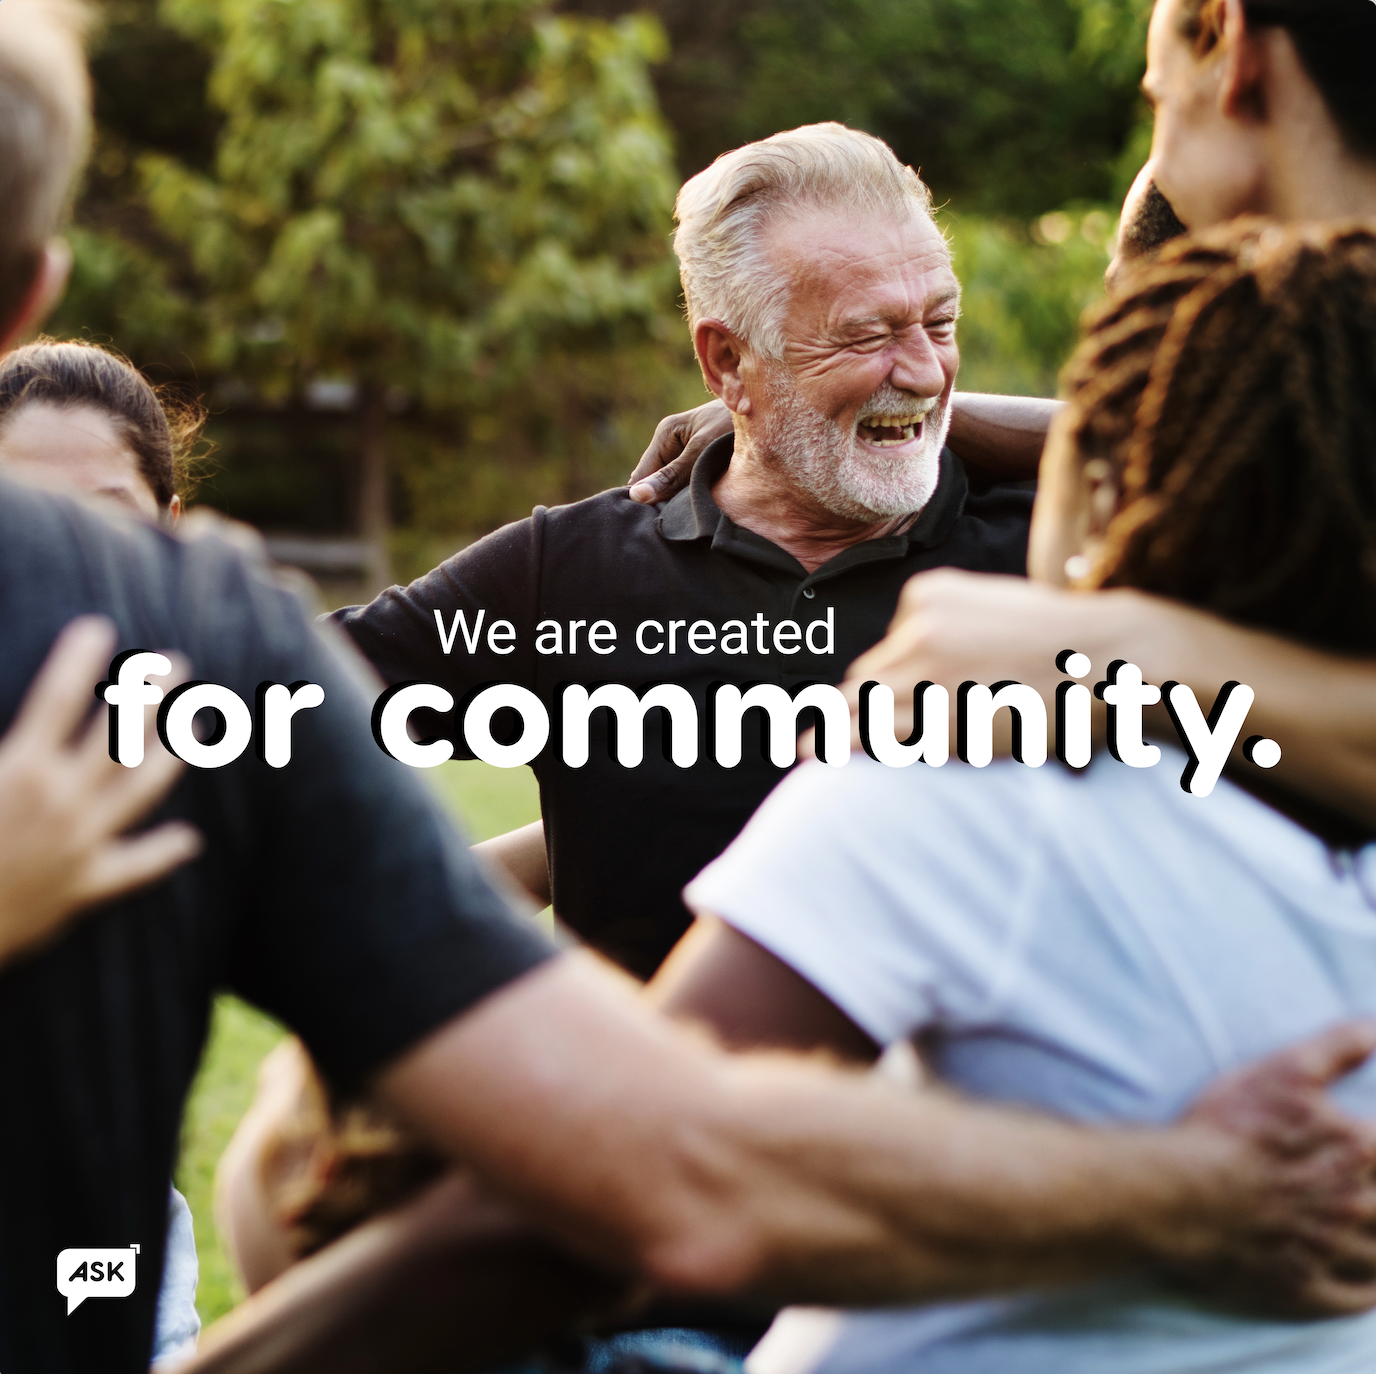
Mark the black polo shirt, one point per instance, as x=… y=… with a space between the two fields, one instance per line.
x=622 y=841
x=331 y=892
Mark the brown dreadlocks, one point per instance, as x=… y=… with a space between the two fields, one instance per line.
x=1231 y=384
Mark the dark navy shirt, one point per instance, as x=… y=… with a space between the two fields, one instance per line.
x=623 y=841
x=331 y=893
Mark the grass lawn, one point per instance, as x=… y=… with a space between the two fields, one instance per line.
x=489 y=801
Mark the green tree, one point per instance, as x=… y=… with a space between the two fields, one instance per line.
x=1023 y=292
x=456 y=207
x=128 y=285
x=1010 y=107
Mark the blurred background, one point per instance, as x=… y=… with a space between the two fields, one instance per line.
x=415 y=255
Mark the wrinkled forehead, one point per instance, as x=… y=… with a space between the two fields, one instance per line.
x=842 y=268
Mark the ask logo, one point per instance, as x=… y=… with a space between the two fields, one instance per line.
x=83 y=1274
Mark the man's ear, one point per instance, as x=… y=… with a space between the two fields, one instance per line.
x=1242 y=70
x=720 y=354
x=49 y=282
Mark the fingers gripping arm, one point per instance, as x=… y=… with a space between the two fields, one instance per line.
x=642 y=1148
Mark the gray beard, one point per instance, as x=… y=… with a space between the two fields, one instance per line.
x=826 y=461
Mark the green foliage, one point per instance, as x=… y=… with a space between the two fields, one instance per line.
x=422 y=195
x=577 y=427
x=465 y=204
x=121 y=294
x=461 y=209
x=1007 y=107
x=224 y=1087
x=1010 y=107
x=1023 y=292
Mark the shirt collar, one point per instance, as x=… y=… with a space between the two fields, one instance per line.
x=693 y=514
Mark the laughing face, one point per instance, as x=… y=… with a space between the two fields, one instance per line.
x=884 y=464
x=858 y=408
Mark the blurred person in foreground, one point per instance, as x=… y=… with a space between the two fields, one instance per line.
x=1262 y=107
x=74 y=417
x=332 y=893
x=65 y=810
x=1099 y=942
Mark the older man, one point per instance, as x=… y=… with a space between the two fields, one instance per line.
x=1260 y=109
x=823 y=308
x=332 y=893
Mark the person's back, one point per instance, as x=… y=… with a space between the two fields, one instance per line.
x=1099 y=943
x=1095 y=945
x=317 y=877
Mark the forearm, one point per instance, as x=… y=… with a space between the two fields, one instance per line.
x=1000 y=437
x=777 y=1179
x=953 y=627
x=448 y=1283
x=1319 y=707
x=849 y=1211
x=523 y=855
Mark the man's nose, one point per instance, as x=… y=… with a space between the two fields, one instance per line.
x=918 y=366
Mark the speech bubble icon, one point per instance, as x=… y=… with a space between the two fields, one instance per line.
x=90 y=1273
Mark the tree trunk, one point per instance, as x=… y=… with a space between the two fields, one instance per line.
x=374 y=520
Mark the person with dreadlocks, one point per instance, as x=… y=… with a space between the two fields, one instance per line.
x=1098 y=942
x=1262 y=107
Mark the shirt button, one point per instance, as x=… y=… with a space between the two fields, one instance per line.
x=810 y=593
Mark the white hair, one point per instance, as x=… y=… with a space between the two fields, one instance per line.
x=723 y=214
x=45 y=103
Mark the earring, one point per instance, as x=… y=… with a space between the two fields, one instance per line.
x=1077 y=567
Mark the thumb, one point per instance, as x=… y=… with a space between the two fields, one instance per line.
x=1331 y=1054
x=661 y=485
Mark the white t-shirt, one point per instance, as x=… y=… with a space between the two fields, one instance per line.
x=1100 y=945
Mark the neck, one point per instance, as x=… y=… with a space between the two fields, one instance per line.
x=757 y=492
x=1321 y=183
x=1312 y=173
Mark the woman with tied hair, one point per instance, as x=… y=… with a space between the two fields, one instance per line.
x=79 y=418
x=75 y=417
x=1097 y=943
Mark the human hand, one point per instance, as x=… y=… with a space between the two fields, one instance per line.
x=64 y=803
x=953 y=627
x=679 y=441
x=1302 y=1189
